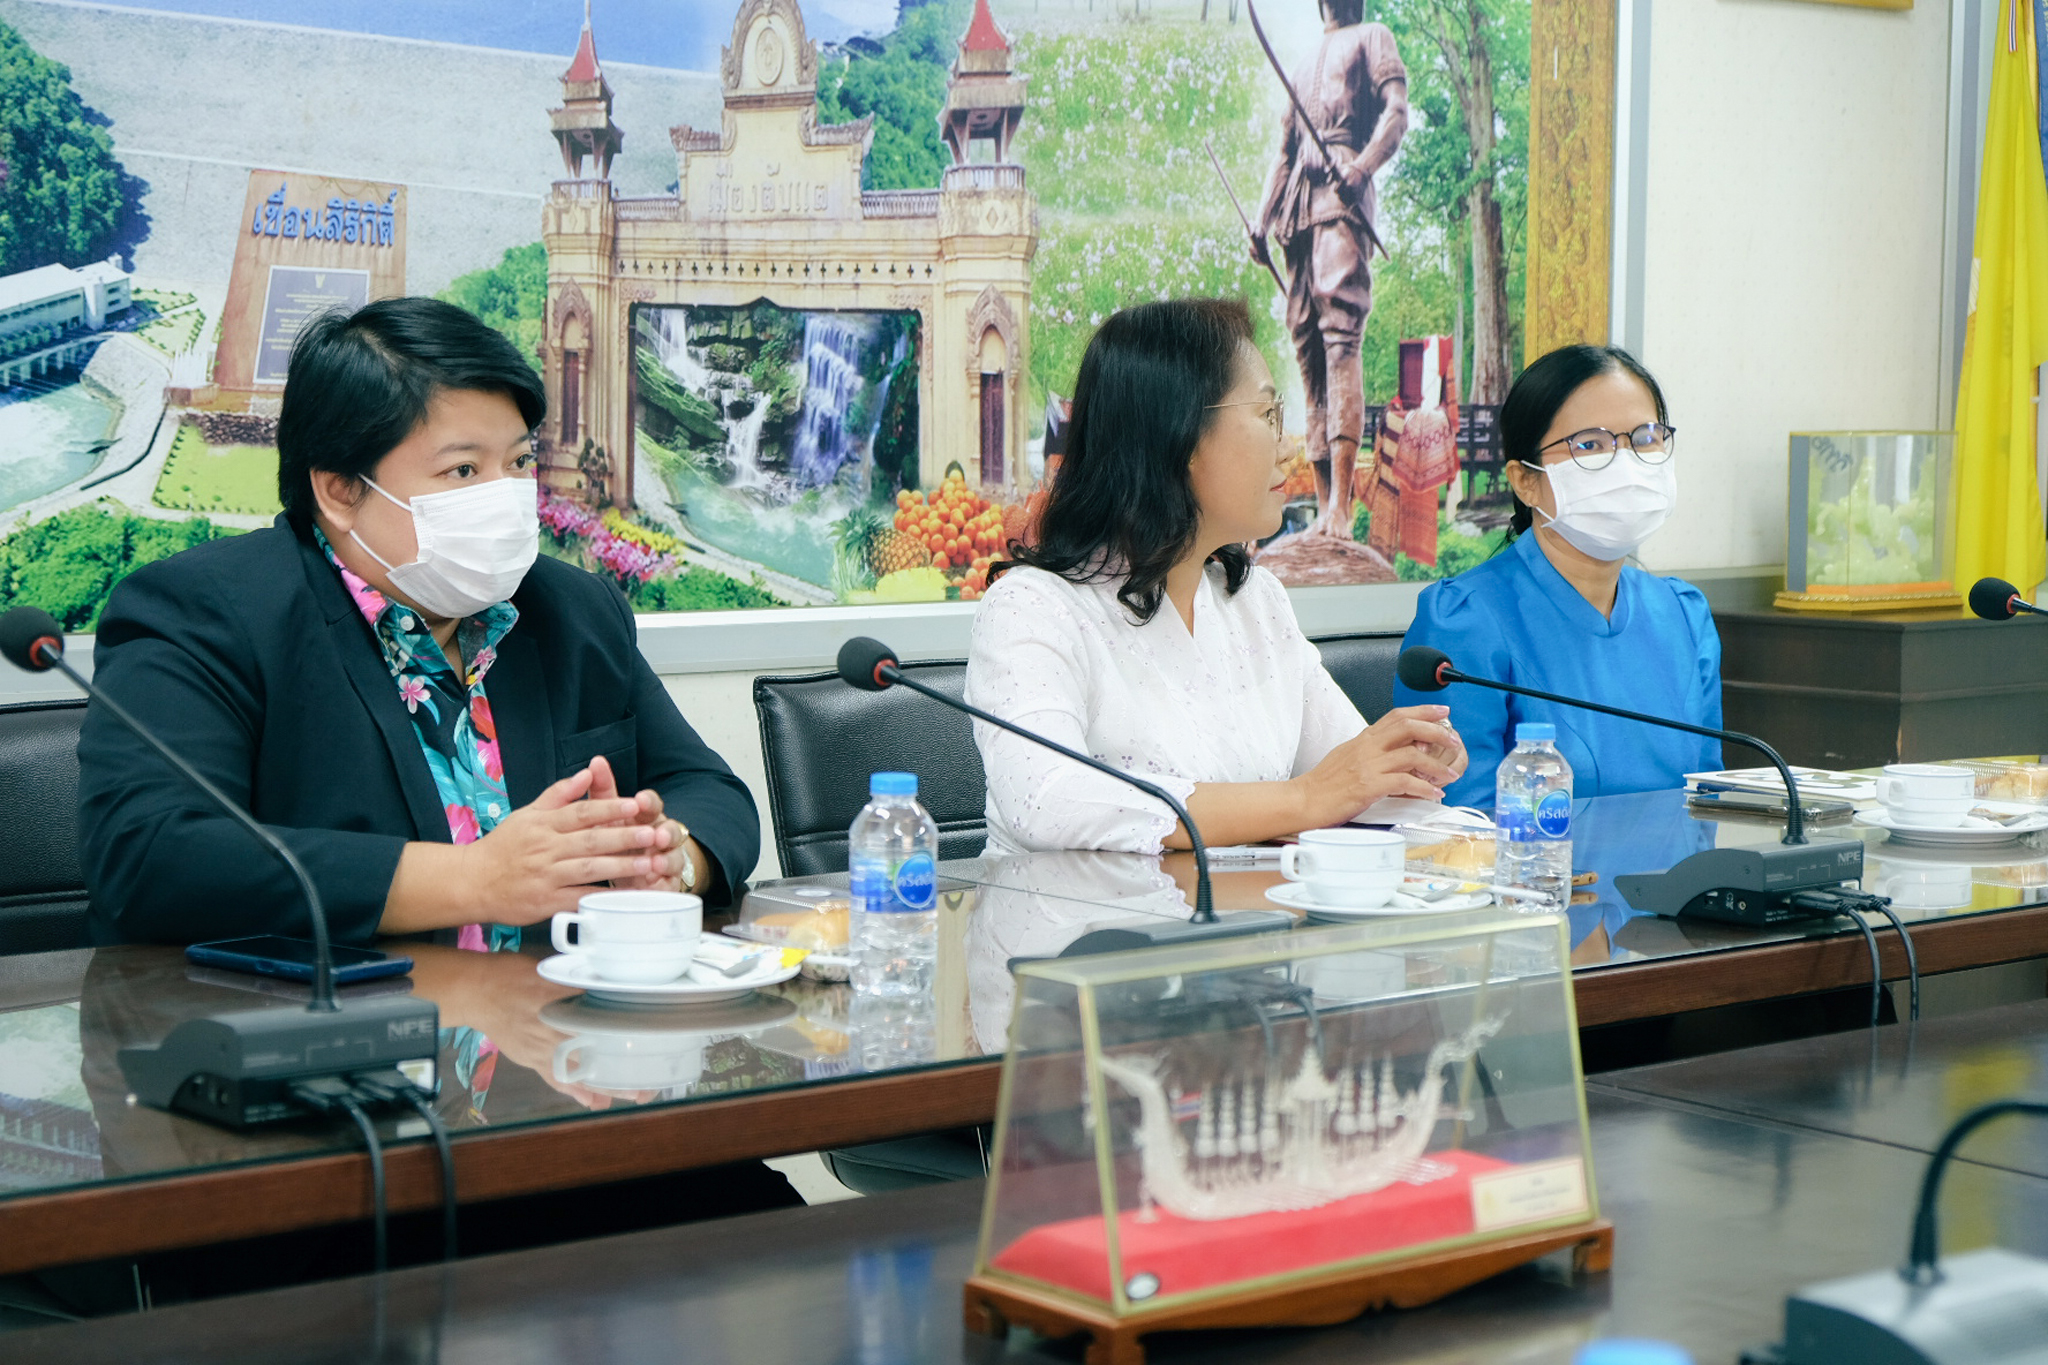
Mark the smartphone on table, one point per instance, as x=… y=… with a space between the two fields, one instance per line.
x=1709 y=802
x=293 y=959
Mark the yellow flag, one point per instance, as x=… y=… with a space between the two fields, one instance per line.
x=1999 y=529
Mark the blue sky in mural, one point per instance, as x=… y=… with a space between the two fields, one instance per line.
x=683 y=34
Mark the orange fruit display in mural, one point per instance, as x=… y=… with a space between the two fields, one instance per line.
x=961 y=530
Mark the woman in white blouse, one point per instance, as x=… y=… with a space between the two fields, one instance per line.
x=1137 y=629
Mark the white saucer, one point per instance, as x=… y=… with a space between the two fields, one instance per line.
x=574 y=969
x=1295 y=896
x=1972 y=833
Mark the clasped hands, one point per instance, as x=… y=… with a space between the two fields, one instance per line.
x=578 y=834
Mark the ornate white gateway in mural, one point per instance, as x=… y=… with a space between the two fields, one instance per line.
x=769 y=337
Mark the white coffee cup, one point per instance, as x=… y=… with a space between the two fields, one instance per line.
x=1357 y=868
x=1932 y=794
x=640 y=937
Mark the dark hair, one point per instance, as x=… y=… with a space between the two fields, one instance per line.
x=1122 y=502
x=1540 y=390
x=1346 y=12
x=360 y=382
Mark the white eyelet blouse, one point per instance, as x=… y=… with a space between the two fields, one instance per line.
x=1244 y=699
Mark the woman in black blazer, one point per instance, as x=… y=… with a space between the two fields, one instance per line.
x=443 y=727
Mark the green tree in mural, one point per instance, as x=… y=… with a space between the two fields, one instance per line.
x=68 y=563
x=61 y=194
x=511 y=296
x=1465 y=165
x=904 y=88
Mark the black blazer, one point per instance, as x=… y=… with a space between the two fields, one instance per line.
x=250 y=659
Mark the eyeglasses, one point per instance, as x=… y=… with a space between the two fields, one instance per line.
x=1271 y=416
x=1594 y=447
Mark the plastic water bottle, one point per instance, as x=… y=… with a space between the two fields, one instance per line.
x=893 y=858
x=1532 y=808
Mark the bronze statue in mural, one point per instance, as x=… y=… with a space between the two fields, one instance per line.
x=1349 y=111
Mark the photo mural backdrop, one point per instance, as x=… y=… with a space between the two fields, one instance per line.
x=807 y=282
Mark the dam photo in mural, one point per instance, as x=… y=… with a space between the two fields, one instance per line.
x=808 y=315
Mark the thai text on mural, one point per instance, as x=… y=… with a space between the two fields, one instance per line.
x=770 y=194
x=359 y=223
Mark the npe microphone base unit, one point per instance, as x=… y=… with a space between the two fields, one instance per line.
x=1754 y=886
x=237 y=1068
x=1987 y=1309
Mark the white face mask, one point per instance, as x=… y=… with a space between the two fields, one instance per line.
x=1609 y=513
x=475 y=546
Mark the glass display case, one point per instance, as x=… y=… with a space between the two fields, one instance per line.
x=1870 y=521
x=1284 y=1128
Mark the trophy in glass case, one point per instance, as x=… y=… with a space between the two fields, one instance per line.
x=1287 y=1129
x=1870 y=521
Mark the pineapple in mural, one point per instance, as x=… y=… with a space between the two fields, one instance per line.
x=869 y=549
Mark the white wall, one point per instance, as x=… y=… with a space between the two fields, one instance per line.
x=1793 y=245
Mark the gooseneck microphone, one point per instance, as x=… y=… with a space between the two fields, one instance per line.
x=1994 y=599
x=30 y=638
x=1794 y=881
x=872 y=666
x=1430 y=670
x=244 y=1068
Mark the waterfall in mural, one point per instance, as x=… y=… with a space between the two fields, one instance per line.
x=768 y=427
x=824 y=439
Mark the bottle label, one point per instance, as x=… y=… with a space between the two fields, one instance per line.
x=908 y=887
x=1547 y=819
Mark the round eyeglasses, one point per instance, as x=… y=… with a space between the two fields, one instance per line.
x=1594 y=447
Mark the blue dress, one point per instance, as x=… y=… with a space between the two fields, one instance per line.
x=1515 y=618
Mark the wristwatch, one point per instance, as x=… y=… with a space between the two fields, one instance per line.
x=689 y=873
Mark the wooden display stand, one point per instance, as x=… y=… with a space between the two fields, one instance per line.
x=993 y=1305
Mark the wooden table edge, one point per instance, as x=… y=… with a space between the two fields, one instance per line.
x=136 y=1216
x=1743 y=974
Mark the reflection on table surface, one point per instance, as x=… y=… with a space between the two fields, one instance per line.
x=1611 y=836
x=515 y=1049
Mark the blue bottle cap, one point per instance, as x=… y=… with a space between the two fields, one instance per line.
x=1622 y=1351
x=892 y=784
x=1529 y=730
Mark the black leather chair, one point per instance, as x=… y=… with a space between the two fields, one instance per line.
x=820 y=739
x=42 y=892
x=1363 y=665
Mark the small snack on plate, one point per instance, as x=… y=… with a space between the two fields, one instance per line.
x=823 y=930
x=808 y=915
x=2010 y=779
x=1459 y=853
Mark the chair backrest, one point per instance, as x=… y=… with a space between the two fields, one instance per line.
x=1363 y=665
x=820 y=739
x=42 y=892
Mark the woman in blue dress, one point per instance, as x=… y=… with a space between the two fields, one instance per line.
x=1589 y=450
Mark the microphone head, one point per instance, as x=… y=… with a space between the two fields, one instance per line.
x=1420 y=668
x=861 y=661
x=1992 y=599
x=24 y=632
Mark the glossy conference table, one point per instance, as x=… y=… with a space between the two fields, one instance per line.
x=86 y=1175
x=1730 y=1180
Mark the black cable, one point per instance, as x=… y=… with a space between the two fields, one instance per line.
x=426 y=1111
x=1876 y=962
x=376 y=1146
x=1884 y=907
x=1923 y=1258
